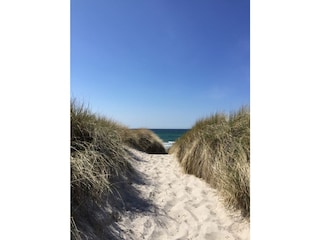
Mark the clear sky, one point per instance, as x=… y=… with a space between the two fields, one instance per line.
x=160 y=63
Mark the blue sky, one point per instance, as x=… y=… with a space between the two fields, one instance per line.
x=160 y=63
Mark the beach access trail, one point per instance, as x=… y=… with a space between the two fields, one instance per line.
x=183 y=206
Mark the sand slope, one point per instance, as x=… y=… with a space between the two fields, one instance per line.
x=183 y=206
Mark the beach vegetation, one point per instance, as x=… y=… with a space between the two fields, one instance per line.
x=97 y=159
x=143 y=140
x=100 y=168
x=217 y=149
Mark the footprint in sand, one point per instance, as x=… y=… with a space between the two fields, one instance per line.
x=147 y=224
x=188 y=189
x=152 y=194
x=185 y=207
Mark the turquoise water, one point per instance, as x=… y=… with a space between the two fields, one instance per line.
x=169 y=136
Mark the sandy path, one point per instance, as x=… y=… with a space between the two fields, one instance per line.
x=184 y=206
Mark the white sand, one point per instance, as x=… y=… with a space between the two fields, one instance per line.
x=185 y=207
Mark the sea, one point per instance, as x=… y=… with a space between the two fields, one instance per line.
x=169 y=136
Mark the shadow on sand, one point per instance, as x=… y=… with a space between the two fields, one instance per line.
x=98 y=221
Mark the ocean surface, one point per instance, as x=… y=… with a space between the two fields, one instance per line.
x=169 y=136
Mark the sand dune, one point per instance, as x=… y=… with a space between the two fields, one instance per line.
x=183 y=206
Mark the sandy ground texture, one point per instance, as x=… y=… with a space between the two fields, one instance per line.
x=181 y=206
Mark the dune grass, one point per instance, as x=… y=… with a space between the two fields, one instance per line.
x=99 y=165
x=217 y=149
x=98 y=157
x=143 y=140
x=97 y=153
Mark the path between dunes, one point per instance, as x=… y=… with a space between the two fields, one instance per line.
x=184 y=206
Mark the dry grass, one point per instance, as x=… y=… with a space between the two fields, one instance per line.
x=98 y=157
x=97 y=153
x=143 y=140
x=217 y=149
x=100 y=170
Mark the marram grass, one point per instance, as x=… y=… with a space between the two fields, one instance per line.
x=217 y=149
x=143 y=140
x=97 y=153
x=98 y=159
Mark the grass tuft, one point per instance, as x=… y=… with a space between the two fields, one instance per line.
x=144 y=140
x=97 y=153
x=217 y=149
x=100 y=170
x=98 y=157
